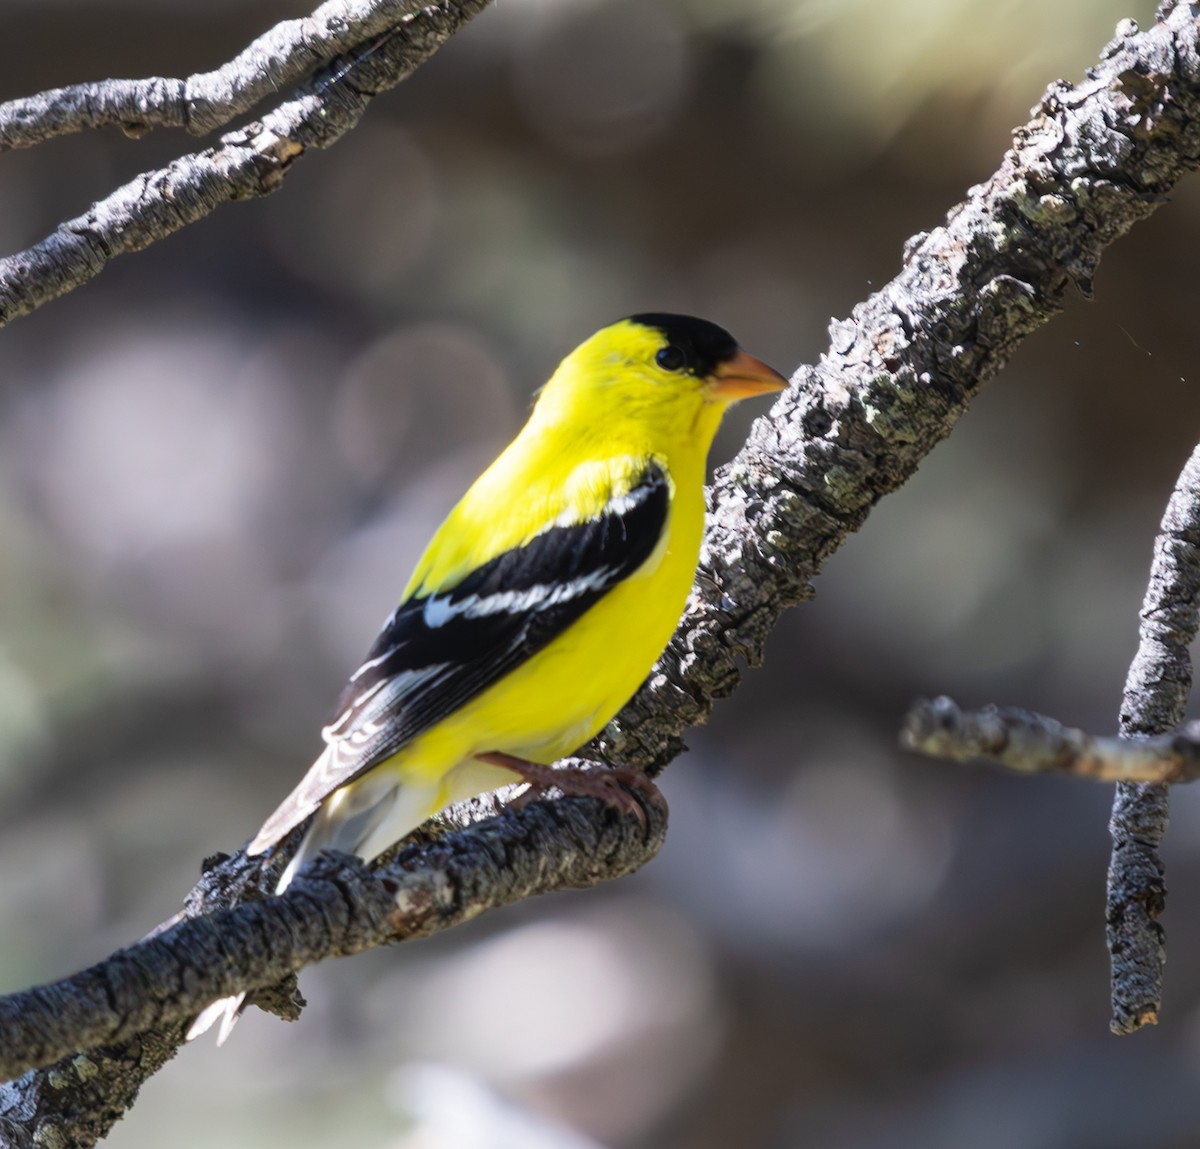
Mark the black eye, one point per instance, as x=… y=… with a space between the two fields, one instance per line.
x=671 y=358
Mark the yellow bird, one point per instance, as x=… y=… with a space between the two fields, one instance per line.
x=540 y=604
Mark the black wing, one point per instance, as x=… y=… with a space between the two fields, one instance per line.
x=439 y=651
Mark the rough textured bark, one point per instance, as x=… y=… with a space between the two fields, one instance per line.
x=77 y=1102
x=1156 y=693
x=1093 y=160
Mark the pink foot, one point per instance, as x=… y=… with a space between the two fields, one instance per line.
x=614 y=787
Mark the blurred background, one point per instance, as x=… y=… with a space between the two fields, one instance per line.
x=219 y=461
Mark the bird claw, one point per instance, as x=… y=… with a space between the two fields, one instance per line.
x=626 y=791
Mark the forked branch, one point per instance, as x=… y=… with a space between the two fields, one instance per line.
x=1149 y=754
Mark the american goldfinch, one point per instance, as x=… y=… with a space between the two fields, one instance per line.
x=542 y=601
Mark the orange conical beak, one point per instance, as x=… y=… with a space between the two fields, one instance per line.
x=743 y=376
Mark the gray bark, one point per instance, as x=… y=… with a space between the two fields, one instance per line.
x=202 y=103
x=247 y=163
x=1149 y=754
x=1031 y=743
x=1156 y=692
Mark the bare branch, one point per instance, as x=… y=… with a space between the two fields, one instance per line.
x=1031 y=743
x=334 y=908
x=208 y=100
x=1156 y=693
x=245 y=164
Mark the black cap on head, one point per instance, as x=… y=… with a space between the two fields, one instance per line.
x=701 y=344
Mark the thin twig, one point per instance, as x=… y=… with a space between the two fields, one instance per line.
x=1156 y=692
x=208 y=100
x=1031 y=743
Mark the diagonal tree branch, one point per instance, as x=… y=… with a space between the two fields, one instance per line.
x=335 y=908
x=244 y=164
x=1093 y=160
x=209 y=100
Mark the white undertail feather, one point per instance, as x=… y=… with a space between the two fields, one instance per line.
x=226 y=1010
